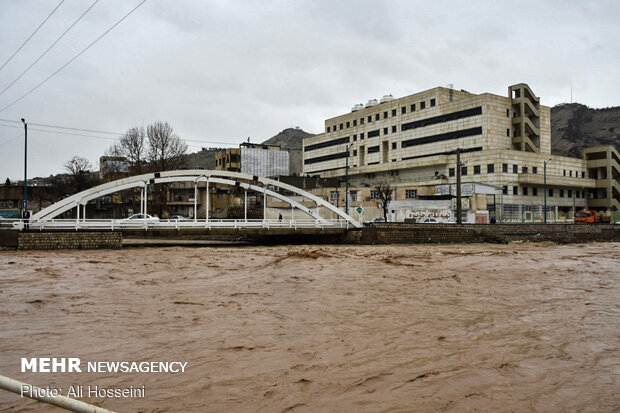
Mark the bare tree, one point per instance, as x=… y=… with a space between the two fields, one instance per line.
x=79 y=171
x=132 y=146
x=384 y=194
x=165 y=147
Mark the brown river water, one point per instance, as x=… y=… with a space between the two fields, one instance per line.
x=418 y=328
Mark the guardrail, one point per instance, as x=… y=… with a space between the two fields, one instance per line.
x=115 y=225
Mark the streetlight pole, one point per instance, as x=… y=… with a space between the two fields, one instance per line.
x=346 y=181
x=459 y=218
x=545 y=190
x=25 y=203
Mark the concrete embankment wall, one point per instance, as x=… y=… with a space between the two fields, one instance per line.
x=69 y=240
x=498 y=233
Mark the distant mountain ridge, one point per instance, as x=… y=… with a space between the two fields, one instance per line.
x=575 y=126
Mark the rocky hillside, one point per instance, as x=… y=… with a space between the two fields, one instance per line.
x=291 y=139
x=575 y=126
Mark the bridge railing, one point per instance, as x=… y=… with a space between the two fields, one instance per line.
x=120 y=224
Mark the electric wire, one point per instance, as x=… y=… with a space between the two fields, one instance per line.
x=30 y=37
x=74 y=58
x=48 y=49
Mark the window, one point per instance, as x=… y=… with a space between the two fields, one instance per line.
x=353 y=195
x=354 y=138
x=561 y=193
x=550 y=191
x=535 y=191
x=369 y=119
x=341 y=126
x=354 y=122
x=505 y=190
x=515 y=169
x=385 y=131
x=328 y=129
x=515 y=190
x=354 y=152
x=393 y=112
x=422 y=105
x=411 y=193
x=348 y=124
x=476 y=169
x=333 y=196
x=564 y=172
x=413 y=107
x=373 y=133
x=507 y=113
x=361 y=121
x=525 y=190
x=385 y=115
x=570 y=173
x=374 y=194
x=451 y=172
x=491 y=168
x=524 y=170
x=505 y=168
x=403 y=110
x=569 y=193
x=373 y=149
x=583 y=174
x=362 y=136
x=508 y=133
x=534 y=169
x=463 y=170
x=377 y=117
x=394 y=129
x=576 y=194
x=583 y=194
x=433 y=102
x=393 y=145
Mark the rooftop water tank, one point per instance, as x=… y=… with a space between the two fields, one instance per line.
x=357 y=107
x=387 y=98
x=372 y=102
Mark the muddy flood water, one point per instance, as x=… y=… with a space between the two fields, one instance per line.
x=424 y=328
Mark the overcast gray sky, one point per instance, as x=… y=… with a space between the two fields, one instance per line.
x=220 y=71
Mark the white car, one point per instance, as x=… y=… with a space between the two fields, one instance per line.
x=140 y=218
x=428 y=221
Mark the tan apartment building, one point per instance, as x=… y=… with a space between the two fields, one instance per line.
x=505 y=142
x=254 y=159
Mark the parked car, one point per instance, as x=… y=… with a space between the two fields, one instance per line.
x=453 y=221
x=428 y=221
x=375 y=221
x=177 y=218
x=140 y=218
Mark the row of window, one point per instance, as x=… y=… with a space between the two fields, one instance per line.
x=525 y=191
x=377 y=116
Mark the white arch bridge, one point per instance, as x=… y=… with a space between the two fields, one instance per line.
x=301 y=215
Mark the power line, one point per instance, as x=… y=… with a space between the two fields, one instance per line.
x=95 y=131
x=49 y=48
x=30 y=37
x=74 y=58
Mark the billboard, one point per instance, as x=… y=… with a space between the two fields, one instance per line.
x=264 y=162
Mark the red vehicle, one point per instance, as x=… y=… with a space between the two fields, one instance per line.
x=590 y=217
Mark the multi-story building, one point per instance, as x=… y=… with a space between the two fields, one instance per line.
x=504 y=142
x=254 y=159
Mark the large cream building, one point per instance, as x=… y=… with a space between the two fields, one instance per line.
x=505 y=142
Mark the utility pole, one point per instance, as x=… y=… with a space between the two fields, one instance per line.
x=459 y=218
x=346 y=181
x=25 y=203
x=545 y=190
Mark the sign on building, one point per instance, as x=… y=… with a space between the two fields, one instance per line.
x=264 y=162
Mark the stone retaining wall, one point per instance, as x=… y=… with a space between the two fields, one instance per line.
x=499 y=233
x=69 y=240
